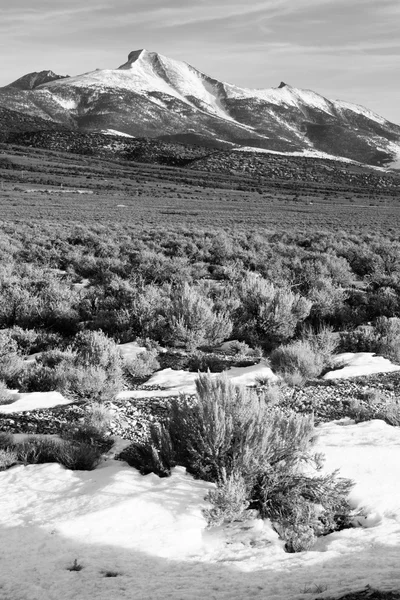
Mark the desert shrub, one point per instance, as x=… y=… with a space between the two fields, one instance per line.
x=191 y=322
x=85 y=383
x=229 y=500
x=360 y=411
x=143 y=365
x=5 y=395
x=324 y=342
x=386 y=409
x=57 y=357
x=25 y=339
x=302 y=507
x=98 y=416
x=79 y=457
x=155 y=267
x=88 y=435
x=11 y=363
x=299 y=356
x=373 y=396
x=155 y=455
x=390 y=413
x=293 y=378
x=383 y=302
x=147 y=312
x=387 y=332
x=70 y=379
x=174 y=359
x=228 y=428
x=328 y=302
x=32 y=297
x=48 y=373
x=362 y=339
x=254 y=454
x=90 y=369
x=383 y=338
x=8 y=458
x=93 y=430
x=203 y=361
x=268 y=315
x=30 y=341
x=239 y=349
x=95 y=349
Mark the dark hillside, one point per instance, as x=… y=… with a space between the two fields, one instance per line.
x=13 y=122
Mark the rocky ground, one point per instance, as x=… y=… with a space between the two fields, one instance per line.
x=328 y=400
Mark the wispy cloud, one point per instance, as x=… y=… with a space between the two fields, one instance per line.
x=345 y=49
x=15 y=15
x=181 y=13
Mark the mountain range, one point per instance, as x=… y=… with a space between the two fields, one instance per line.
x=157 y=97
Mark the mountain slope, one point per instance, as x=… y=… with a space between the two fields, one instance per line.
x=17 y=123
x=154 y=96
x=33 y=80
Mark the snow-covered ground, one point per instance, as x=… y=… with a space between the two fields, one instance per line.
x=130 y=350
x=32 y=401
x=174 y=382
x=358 y=364
x=151 y=535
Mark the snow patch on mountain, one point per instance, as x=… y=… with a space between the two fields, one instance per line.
x=360 y=110
x=306 y=153
x=182 y=80
x=396 y=163
x=115 y=132
x=394 y=150
x=286 y=95
x=149 y=73
x=68 y=104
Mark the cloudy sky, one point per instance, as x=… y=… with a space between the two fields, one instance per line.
x=343 y=49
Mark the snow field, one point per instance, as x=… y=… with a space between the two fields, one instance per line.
x=151 y=534
x=174 y=382
x=359 y=364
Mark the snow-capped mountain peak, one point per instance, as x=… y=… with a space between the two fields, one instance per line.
x=158 y=73
x=141 y=55
x=152 y=95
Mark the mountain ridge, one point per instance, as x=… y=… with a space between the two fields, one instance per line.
x=153 y=96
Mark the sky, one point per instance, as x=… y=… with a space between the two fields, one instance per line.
x=342 y=49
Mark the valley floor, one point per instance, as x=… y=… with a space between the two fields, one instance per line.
x=145 y=537
x=275 y=192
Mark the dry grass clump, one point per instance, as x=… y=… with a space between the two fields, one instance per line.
x=44 y=449
x=8 y=458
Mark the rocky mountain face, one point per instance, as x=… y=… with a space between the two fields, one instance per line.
x=33 y=80
x=153 y=96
